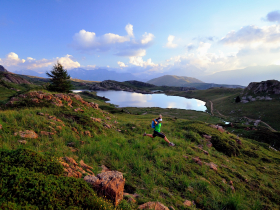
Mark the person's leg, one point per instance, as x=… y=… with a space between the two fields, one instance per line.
x=165 y=139
x=150 y=135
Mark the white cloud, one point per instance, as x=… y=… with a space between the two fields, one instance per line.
x=170 y=43
x=129 y=30
x=67 y=62
x=253 y=36
x=147 y=37
x=138 y=61
x=121 y=64
x=13 y=62
x=127 y=45
x=11 y=59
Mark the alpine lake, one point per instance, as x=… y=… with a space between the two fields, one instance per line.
x=132 y=99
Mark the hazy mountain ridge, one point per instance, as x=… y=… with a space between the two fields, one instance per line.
x=182 y=81
x=244 y=76
x=173 y=80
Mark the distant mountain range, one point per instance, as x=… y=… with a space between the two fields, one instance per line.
x=244 y=76
x=173 y=80
x=92 y=75
x=181 y=81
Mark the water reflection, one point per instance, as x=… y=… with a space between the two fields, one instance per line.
x=128 y=99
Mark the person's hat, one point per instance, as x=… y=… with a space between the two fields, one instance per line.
x=160 y=119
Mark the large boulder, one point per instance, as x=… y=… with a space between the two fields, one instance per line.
x=109 y=184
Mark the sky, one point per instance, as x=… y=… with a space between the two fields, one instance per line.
x=143 y=37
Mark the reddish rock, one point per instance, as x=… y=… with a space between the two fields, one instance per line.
x=212 y=166
x=0 y=126
x=59 y=127
x=231 y=182
x=108 y=118
x=27 y=134
x=107 y=125
x=131 y=200
x=187 y=203
x=197 y=160
x=153 y=205
x=58 y=120
x=213 y=126
x=52 y=117
x=209 y=144
x=48 y=97
x=220 y=128
x=40 y=113
x=104 y=169
x=35 y=100
x=78 y=110
x=232 y=188
x=96 y=119
x=22 y=141
x=224 y=181
x=45 y=133
x=205 y=152
x=70 y=161
x=40 y=96
x=84 y=166
x=88 y=133
x=109 y=184
x=74 y=129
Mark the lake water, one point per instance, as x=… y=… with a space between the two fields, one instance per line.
x=128 y=99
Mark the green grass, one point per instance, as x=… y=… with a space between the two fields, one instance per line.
x=152 y=169
x=224 y=106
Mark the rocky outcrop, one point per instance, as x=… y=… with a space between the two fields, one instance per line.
x=2 y=69
x=60 y=99
x=27 y=134
x=108 y=184
x=264 y=90
x=7 y=76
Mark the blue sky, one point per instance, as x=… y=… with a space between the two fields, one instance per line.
x=142 y=37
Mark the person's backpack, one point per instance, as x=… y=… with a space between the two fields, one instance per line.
x=153 y=125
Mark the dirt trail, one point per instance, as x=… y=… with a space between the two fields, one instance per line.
x=212 y=113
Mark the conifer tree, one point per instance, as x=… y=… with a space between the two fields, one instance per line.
x=237 y=100
x=59 y=79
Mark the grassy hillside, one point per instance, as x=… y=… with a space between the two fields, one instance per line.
x=224 y=105
x=231 y=176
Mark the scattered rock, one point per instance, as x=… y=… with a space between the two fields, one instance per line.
x=187 y=203
x=131 y=200
x=71 y=144
x=224 y=181
x=74 y=129
x=96 y=119
x=59 y=127
x=40 y=113
x=197 y=160
x=212 y=166
x=107 y=125
x=22 y=141
x=153 y=205
x=27 y=134
x=45 y=133
x=232 y=188
x=78 y=110
x=88 y=133
x=231 y=182
x=85 y=166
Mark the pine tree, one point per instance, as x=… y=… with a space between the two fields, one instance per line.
x=237 y=100
x=59 y=79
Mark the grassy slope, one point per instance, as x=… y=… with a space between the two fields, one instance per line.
x=152 y=169
x=224 y=103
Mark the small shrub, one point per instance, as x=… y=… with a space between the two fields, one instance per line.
x=224 y=145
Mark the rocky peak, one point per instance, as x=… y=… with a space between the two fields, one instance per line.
x=2 y=69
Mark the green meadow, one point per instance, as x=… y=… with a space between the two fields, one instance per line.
x=31 y=177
